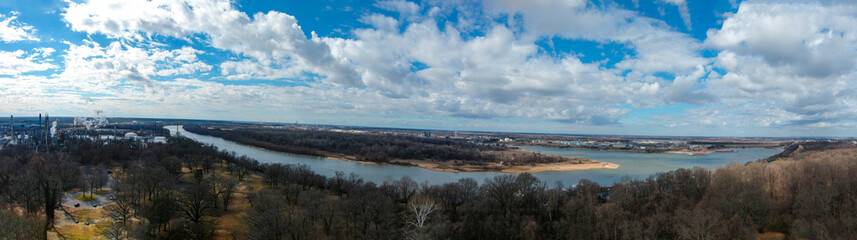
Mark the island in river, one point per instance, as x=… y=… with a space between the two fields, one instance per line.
x=437 y=154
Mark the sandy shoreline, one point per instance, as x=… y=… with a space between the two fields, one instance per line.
x=573 y=164
x=686 y=151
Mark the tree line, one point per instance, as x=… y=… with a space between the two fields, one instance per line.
x=374 y=147
x=175 y=191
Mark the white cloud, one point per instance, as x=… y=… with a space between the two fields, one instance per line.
x=772 y=70
x=270 y=38
x=808 y=39
x=795 y=59
x=381 y=22
x=657 y=46
x=18 y=62
x=12 y=30
x=404 y=8
x=424 y=70
x=249 y=69
x=682 y=10
x=100 y=69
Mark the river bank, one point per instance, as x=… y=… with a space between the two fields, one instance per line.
x=452 y=165
x=634 y=165
x=458 y=166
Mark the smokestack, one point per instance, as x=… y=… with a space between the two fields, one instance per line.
x=12 y=124
x=47 y=118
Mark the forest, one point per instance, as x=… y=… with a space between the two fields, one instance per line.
x=186 y=190
x=373 y=147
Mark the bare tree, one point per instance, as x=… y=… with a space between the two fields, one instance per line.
x=99 y=179
x=699 y=224
x=330 y=215
x=121 y=210
x=403 y=188
x=196 y=202
x=115 y=231
x=266 y=218
x=420 y=209
x=225 y=188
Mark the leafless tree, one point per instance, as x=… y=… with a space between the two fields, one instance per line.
x=699 y=224
x=420 y=209
x=196 y=202
x=223 y=187
x=115 y=231
x=121 y=210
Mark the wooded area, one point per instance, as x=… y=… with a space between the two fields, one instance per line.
x=186 y=190
x=374 y=147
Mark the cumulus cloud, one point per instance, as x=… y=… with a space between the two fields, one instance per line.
x=795 y=58
x=94 y=68
x=769 y=70
x=813 y=40
x=426 y=69
x=269 y=38
x=12 y=30
x=19 y=62
x=657 y=46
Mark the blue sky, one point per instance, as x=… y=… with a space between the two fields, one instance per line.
x=639 y=67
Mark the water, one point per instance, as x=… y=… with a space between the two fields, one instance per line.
x=635 y=165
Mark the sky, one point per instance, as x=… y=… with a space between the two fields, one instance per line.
x=624 y=67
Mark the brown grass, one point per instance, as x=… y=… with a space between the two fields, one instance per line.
x=771 y=236
x=86 y=197
x=83 y=231
x=230 y=222
x=83 y=214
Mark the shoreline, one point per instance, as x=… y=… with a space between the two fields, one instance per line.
x=456 y=166
x=569 y=165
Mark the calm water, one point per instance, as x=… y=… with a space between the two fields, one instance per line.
x=635 y=165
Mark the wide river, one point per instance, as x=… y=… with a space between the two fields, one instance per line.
x=634 y=165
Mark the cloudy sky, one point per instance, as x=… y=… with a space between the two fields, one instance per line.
x=641 y=67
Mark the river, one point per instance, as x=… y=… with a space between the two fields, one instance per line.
x=634 y=165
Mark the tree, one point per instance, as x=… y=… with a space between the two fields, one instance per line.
x=161 y=211
x=115 y=231
x=196 y=202
x=736 y=191
x=99 y=179
x=45 y=170
x=173 y=165
x=699 y=224
x=330 y=215
x=501 y=191
x=403 y=188
x=21 y=227
x=223 y=189
x=420 y=210
x=121 y=210
x=265 y=220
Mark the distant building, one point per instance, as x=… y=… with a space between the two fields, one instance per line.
x=106 y=137
x=130 y=136
x=162 y=140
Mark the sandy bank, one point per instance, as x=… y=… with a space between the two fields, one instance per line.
x=573 y=164
x=455 y=166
